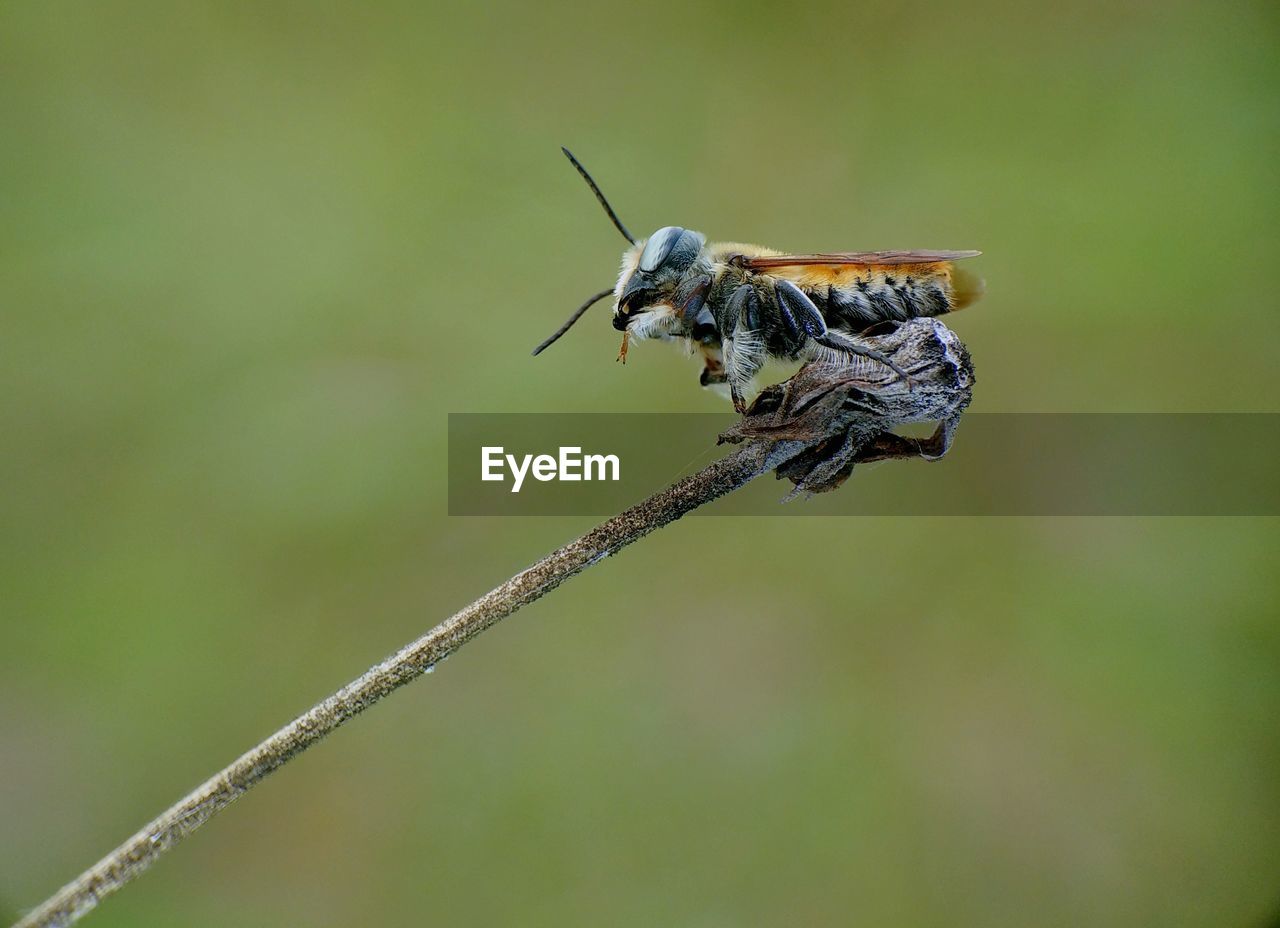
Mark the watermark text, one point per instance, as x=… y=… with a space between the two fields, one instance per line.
x=570 y=465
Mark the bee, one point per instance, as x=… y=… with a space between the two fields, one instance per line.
x=738 y=306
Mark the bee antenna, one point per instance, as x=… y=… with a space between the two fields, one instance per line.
x=599 y=196
x=577 y=314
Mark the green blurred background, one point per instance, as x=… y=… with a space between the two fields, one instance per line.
x=251 y=256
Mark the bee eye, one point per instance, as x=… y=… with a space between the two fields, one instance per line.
x=671 y=249
x=659 y=247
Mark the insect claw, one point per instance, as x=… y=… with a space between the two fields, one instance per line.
x=839 y=343
x=902 y=375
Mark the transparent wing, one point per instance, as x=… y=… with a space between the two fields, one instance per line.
x=855 y=258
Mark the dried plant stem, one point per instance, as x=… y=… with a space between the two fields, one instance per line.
x=812 y=429
x=130 y=859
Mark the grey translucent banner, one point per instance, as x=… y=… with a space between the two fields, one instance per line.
x=1002 y=464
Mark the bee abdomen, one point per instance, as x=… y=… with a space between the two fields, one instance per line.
x=866 y=302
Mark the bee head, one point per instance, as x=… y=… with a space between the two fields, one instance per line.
x=653 y=271
x=659 y=274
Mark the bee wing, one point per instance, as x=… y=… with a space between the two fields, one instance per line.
x=855 y=258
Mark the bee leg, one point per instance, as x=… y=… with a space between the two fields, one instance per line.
x=838 y=342
x=742 y=363
x=799 y=313
x=728 y=374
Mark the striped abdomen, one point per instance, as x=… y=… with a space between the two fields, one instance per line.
x=855 y=299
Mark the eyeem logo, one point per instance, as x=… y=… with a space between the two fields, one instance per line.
x=571 y=465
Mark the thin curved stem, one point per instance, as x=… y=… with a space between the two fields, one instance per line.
x=132 y=858
x=812 y=429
